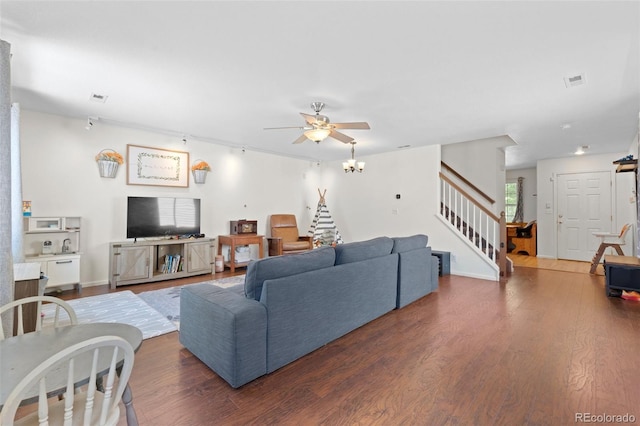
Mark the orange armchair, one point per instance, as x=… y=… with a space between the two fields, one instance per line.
x=285 y=238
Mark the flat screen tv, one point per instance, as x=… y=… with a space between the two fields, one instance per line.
x=162 y=217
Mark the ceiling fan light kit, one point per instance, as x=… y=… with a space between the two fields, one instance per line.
x=317 y=135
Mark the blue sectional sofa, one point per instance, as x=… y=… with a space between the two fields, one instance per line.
x=291 y=305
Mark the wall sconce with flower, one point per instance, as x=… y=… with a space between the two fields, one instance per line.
x=200 y=168
x=108 y=162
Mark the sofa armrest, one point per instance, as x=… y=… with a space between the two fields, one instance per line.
x=416 y=272
x=308 y=239
x=225 y=330
x=275 y=246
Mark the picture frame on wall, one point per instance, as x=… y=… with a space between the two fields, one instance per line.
x=157 y=167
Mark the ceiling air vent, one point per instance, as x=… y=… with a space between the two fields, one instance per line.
x=575 y=80
x=98 y=98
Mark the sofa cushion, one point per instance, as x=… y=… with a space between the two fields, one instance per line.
x=283 y=266
x=362 y=250
x=403 y=244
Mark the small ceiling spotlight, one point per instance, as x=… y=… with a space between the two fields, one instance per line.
x=581 y=150
x=184 y=139
x=89 y=123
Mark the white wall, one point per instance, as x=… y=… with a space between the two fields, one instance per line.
x=482 y=162
x=529 y=190
x=622 y=193
x=365 y=205
x=61 y=178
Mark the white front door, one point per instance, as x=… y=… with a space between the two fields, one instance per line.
x=584 y=207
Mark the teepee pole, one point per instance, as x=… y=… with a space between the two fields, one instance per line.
x=322 y=194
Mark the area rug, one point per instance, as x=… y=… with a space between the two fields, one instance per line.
x=167 y=300
x=122 y=307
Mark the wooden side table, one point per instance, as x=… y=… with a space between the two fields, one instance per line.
x=239 y=240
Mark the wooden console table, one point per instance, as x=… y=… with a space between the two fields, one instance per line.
x=622 y=273
x=239 y=240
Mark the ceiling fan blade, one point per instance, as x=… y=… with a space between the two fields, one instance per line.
x=301 y=139
x=292 y=127
x=356 y=125
x=340 y=136
x=311 y=119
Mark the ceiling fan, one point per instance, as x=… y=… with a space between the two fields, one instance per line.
x=319 y=127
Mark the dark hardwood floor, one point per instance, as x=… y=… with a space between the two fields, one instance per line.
x=539 y=349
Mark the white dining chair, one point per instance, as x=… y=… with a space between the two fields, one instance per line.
x=62 y=371
x=69 y=318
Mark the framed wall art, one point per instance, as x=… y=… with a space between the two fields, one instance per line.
x=158 y=167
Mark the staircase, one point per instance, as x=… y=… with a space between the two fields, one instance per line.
x=485 y=232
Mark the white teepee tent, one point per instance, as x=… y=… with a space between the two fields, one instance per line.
x=323 y=229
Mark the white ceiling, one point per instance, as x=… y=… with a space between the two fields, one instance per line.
x=419 y=72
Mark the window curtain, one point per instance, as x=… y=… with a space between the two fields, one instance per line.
x=6 y=257
x=519 y=215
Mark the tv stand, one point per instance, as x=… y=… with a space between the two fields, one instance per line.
x=136 y=262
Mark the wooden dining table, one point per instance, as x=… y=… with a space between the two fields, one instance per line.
x=19 y=355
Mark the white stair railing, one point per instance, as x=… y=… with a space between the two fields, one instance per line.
x=483 y=229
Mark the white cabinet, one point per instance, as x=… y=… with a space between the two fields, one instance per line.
x=159 y=260
x=54 y=242
x=62 y=270
x=43 y=224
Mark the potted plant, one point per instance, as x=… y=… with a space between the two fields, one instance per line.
x=108 y=161
x=200 y=168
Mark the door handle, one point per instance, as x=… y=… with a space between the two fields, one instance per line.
x=560 y=219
